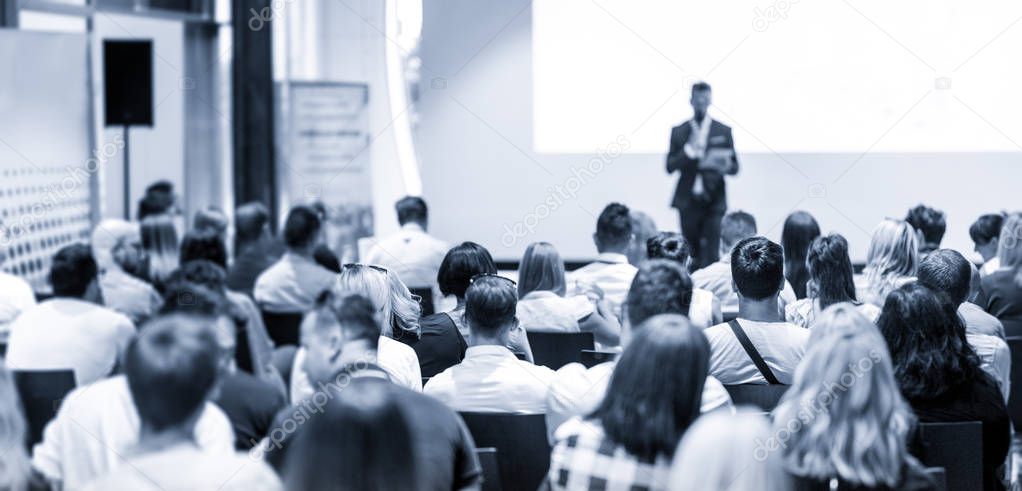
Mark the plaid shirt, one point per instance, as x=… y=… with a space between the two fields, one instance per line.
x=584 y=459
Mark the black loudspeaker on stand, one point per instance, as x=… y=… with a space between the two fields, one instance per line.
x=128 y=92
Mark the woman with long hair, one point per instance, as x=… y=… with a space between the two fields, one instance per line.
x=892 y=261
x=800 y=228
x=1003 y=286
x=653 y=396
x=831 y=281
x=159 y=242
x=939 y=373
x=15 y=467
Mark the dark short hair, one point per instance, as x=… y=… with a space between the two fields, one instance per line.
x=204 y=244
x=301 y=227
x=701 y=86
x=249 y=221
x=158 y=198
x=201 y=271
x=184 y=297
x=614 y=225
x=736 y=226
x=661 y=286
x=757 y=267
x=668 y=245
x=355 y=315
x=947 y=271
x=411 y=209
x=831 y=267
x=171 y=368
x=986 y=228
x=460 y=264
x=490 y=304
x=72 y=269
x=929 y=221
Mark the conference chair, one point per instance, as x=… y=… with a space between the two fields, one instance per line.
x=41 y=392
x=491 y=472
x=958 y=448
x=556 y=349
x=591 y=358
x=762 y=396
x=283 y=327
x=523 y=452
x=1015 y=397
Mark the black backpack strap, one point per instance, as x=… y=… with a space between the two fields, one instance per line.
x=751 y=351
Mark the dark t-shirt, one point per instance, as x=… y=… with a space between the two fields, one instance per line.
x=251 y=404
x=439 y=347
x=1004 y=300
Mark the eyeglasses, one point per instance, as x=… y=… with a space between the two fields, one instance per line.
x=491 y=275
x=370 y=266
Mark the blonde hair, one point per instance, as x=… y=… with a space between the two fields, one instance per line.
x=541 y=269
x=388 y=294
x=843 y=416
x=724 y=451
x=1009 y=250
x=15 y=468
x=159 y=239
x=893 y=257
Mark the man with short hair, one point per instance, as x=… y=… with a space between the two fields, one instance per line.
x=986 y=233
x=491 y=378
x=643 y=228
x=71 y=330
x=610 y=274
x=704 y=310
x=117 y=249
x=294 y=282
x=929 y=225
x=255 y=249
x=758 y=346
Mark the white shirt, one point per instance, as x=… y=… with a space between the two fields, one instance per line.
x=292 y=284
x=990 y=266
x=16 y=296
x=397 y=358
x=128 y=295
x=68 y=333
x=782 y=346
x=411 y=253
x=700 y=311
x=978 y=321
x=162 y=471
x=492 y=380
x=611 y=272
x=717 y=279
x=995 y=359
x=544 y=310
x=97 y=425
x=577 y=391
x=803 y=312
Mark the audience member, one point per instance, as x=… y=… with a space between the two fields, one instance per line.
x=929 y=226
x=758 y=346
x=159 y=198
x=892 y=261
x=800 y=228
x=609 y=276
x=643 y=227
x=15 y=467
x=939 y=374
x=1003 y=287
x=211 y=219
x=117 y=249
x=704 y=309
x=976 y=319
x=295 y=281
x=16 y=295
x=491 y=378
x=159 y=242
x=71 y=330
x=653 y=396
x=985 y=233
x=542 y=305
x=831 y=281
x=255 y=250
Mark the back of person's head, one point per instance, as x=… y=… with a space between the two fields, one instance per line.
x=669 y=245
x=830 y=269
x=159 y=240
x=947 y=271
x=330 y=328
x=860 y=423
x=661 y=286
x=72 y=270
x=656 y=388
x=398 y=311
x=15 y=467
x=251 y=222
x=1009 y=245
x=172 y=366
x=461 y=263
x=800 y=228
x=927 y=342
x=302 y=227
x=986 y=228
x=643 y=228
x=355 y=443
x=411 y=209
x=929 y=222
x=211 y=218
x=757 y=268
x=723 y=451
x=490 y=306
x=735 y=227
x=613 y=229
x=893 y=254
x=701 y=86
x=187 y=297
x=107 y=235
x=541 y=269
x=201 y=271
x=204 y=244
x=158 y=199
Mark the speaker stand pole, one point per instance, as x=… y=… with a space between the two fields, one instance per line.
x=127 y=175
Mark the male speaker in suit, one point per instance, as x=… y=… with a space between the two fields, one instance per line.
x=704 y=151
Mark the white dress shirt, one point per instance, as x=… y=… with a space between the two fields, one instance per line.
x=292 y=284
x=611 y=272
x=995 y=359
x=396 y=358
x=16 y=296
x=700 y=312
x=717 y=279
x=161 y=471
x=411 y=253
x=97 y=426
x=492 y=380
x=68 y=333
x=782 y=346
x=544 y=310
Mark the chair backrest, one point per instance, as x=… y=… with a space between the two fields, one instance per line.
x=1015 y=398
x=764 y=397
x=41 y=393
x=523 y=452
x=284 y=328
x=491 y=470
x=939 y=478
x=591 y=358
x=958 y=448
x=556 y=349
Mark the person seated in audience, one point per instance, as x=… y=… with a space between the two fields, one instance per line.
x=159 y=198
x=542 y=305
x=160 y=245
x=172 y=372
x=929 y=225
x=948 y=272
x=660 y=287
x=853 y=422
x=704 y=310
x=976 y=319
x=757 y=266
x=721 y=451
x=71 y=330
x=716 y=278
x=800 y=228
x=985 y=233
x=892 y=261
x=16 y=296
x=610 y=274
x=1002 y=288
x=939 y=374
x=831 y=281
x=294 y=282
x=341 y=336
x=212 y=219
x=491 y=378
x=653 y=396
x=98 y=426
x=16 y=474
x=412 y=253
x=117 y=249
x=644 y=228
x=255 y=250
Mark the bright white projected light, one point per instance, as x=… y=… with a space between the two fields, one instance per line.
x=843 y=76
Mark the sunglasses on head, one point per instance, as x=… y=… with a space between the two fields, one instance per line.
x=360 y=265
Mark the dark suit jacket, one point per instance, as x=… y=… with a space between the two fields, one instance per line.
x=713 y=181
